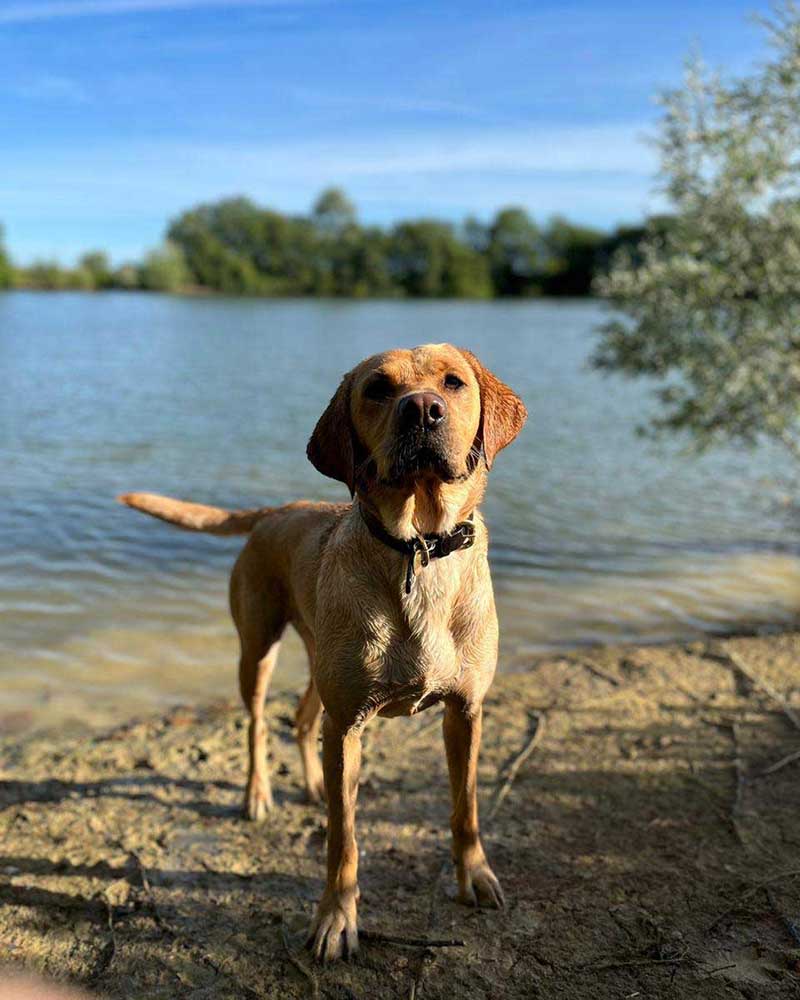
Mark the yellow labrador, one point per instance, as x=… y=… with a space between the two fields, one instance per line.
x=390 y=593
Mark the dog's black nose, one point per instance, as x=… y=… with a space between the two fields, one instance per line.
x=421 y=409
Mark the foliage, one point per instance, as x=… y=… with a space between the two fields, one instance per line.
x=333 y=212
x=97 y=268
x=6 y=269
x=572 y=257
x=712 y=298
x=236 y=247
x=127 y=277
x=427 y=260
x=164 y=270
x=516 y=253
x=48 y=275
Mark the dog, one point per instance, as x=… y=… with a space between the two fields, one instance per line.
x=391 y=594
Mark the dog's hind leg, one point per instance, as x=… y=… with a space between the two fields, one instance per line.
x=307 y=720
x=254 y=677
x=260 y=622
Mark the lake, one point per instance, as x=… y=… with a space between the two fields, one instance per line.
x=597 y=534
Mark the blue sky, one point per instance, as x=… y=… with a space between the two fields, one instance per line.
x=117 y=114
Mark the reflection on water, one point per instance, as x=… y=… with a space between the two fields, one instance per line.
x=597 y=535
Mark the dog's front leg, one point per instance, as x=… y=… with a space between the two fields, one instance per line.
x=334 y=931
x=477 y=884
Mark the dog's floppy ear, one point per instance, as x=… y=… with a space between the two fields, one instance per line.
x=503 y=413
x=330 y=448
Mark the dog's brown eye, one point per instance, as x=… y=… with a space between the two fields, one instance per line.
x=379 y=388
x=452 y=382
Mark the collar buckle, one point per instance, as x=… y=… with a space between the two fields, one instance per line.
x=420 y=549
x=461 y=537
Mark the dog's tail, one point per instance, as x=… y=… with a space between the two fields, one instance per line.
x=195 y=516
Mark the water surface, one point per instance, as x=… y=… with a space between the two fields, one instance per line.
x=597 y=535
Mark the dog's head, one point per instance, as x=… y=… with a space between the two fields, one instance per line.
x=430 y=413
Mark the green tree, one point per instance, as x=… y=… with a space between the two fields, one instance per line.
x=6 y=268
x=348 y=259
x=333 y=212
x=427 y=260
x=164 y=269
x=354 y=264
x=127 y=277
x=515 y=253
x=370 y=264
x=571 y=257
x=94 y=271
x=713 y=303
x=626 y=242
x=78 y=279
x=45 y=275
x=210 y=263
x=235 y=246
x=475 y=234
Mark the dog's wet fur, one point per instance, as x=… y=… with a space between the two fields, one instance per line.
x=372 y=647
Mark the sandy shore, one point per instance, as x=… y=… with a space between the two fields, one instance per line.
x=643 y=848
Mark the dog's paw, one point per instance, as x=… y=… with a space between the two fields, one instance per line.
x=334 y=930
x=478 y=886
x=257 y=803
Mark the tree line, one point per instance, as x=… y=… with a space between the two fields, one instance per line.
x=236 y=247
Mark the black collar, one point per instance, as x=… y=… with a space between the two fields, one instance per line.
x=422 y=548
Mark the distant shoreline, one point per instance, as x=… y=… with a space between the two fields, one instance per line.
x=200 y=292
x=237 y=246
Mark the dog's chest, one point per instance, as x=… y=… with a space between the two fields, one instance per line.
x=421 y=662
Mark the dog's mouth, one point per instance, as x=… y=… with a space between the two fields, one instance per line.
x=416 y=454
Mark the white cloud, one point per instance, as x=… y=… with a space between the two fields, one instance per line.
x=617 y=149
x=613 y=149
x=48 y=10
x=599 y=174
x=481 y=161
x=579 y=150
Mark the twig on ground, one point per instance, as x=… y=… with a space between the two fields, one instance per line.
x=736 y=810
x=410 y=942
x=765 y=686
x=108 y=950
x=598 y=671
x=683 y=690
x=736 y=805
x=517 y=762
x=142 y=871
x=625 y=963
x=783 y=762
x=719 y=968
x=306 y=973
x=150 y=896
x=748 y=893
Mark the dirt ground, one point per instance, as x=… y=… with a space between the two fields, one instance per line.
x=643 y=847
